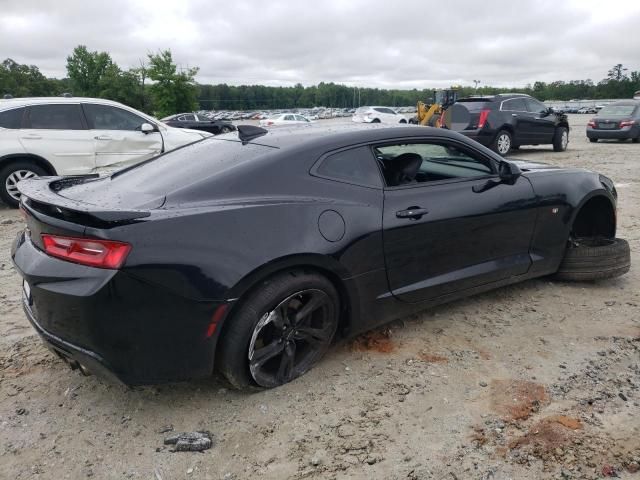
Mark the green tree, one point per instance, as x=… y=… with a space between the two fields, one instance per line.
x=617 y=73
x=172 y=91
x=24 y=80
x=87 y=70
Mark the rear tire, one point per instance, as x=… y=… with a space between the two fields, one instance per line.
x=502 y=143
x=595 y=259
x=375 y=120
x=11 y=174
x=560 y=139
x=403 y=121
x=636 y=140
x=593 y=140
x=258 y=324
x=225 y=130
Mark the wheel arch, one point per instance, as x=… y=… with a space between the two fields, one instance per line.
x=17 y=157
x=322 y=264
x=594 y=216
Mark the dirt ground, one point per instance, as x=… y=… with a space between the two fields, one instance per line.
x=535 y=381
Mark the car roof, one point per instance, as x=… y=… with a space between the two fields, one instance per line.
x=334 y=136
x=24 y=101
x=497 y=97
x=624 y=103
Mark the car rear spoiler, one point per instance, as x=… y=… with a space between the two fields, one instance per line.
x=43 y=192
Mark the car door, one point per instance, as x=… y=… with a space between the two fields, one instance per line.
x=543 y=124
x=451 y=224
x=521 y=120
x=118 y=138
x=58 y=133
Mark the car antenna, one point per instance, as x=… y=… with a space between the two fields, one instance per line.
x=246 y=133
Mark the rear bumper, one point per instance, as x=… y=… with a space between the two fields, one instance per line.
x=624 y=134
x=483 y=137
x=113 y=324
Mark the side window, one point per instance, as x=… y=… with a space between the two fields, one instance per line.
x=188 y=118
x=355 y=165
x=106 y=117
x=380 y=110
x=514 y=105
x=389 y=111
x=535 y=106
x=289 y=117
x=11 y=118
x=55 y=117
x=404 y=164
x=300 y=118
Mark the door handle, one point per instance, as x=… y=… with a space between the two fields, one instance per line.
x=32 y=137
x=103 y=137
x=412 y=212
x=514 y=114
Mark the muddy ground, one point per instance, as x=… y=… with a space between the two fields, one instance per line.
x=534 y=381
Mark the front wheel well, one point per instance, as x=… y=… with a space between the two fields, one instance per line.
x=596 y=218
x=39 y=161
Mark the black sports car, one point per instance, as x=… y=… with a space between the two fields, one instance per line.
x=199 y=122
x=251 y=253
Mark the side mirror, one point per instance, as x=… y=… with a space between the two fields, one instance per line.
x=147 y=128
x=508 y=171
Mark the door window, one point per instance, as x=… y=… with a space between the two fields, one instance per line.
x=404 y=164
x=55 y=117
x=11 y=118
x=535 y=106
x=106 y=117
x=290 y=118
x=514 y=105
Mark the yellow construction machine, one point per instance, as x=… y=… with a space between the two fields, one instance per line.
x=430 y=114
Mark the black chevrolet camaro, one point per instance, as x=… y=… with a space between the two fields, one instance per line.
x=252 y=251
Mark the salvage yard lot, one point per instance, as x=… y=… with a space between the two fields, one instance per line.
x=537 y=380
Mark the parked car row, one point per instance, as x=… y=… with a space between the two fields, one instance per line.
x=309 y=113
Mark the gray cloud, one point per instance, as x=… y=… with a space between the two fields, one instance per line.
x=404 y=44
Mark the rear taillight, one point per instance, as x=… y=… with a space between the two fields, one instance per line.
x=87 y=251
x=483 y=118
x=627 y=123
x=592 y=123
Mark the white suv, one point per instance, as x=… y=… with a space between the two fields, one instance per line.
x=377 y=115
x=77 y=136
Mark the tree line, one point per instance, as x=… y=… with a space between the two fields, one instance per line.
x=159 y=87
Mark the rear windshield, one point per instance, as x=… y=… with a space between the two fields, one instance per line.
x=473 y=104
x=621 y=110
x=200 y=160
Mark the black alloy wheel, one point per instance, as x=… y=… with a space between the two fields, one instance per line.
x=279 y=331
x=288 y=340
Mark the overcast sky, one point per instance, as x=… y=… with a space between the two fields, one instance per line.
x=389 y=44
